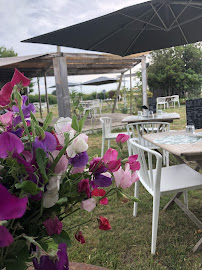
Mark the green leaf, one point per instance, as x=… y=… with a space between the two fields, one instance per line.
x=41 y=161
x=82 y=122
x=28 y=187
x=62 y=200
x=48 y=120
x=17 y=264
x=75 y=125
x=40 y=132
x=33 y=118
x=62 y=238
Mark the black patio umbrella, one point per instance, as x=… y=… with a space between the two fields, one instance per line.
x=100 y=81
x=69 y=84
x=148 y=26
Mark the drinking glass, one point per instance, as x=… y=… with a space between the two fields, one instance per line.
x=151 y=114
x=159 y=112
x=139 y=113
x=190 y=129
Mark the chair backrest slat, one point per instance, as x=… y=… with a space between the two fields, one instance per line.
x=148 y=159
x=106 y=125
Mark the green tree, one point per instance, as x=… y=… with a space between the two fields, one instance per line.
x=176 y=70
x=7 y=52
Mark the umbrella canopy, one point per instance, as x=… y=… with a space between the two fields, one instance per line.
x=148 y=26
x=70 y=84
x=100 y=81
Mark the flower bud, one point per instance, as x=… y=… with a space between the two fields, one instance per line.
x=122 y=197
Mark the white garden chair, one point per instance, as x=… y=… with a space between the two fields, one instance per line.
x=160 y=181
x=106 y=132
x=161 y=101
x=137 y=130
x=175 y=99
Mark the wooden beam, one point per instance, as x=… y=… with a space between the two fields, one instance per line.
x=39 y=98
x=62 y=91
x=144 y=81
x=117 y=92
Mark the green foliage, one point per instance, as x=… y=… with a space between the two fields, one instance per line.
x=7 y=52
x=176 y=71
x=35 y=98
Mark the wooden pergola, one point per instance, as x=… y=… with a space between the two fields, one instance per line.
x=61 y=65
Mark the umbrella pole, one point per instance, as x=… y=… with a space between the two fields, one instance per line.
x=117 y=92
x=144 y=81
x=131 y=94
x=39 y=98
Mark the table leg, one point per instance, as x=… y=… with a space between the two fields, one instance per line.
x=198 y=246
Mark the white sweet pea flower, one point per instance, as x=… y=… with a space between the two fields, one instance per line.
x=78 y=145
x=54 y=182
x=61 y=123
x=50 y=198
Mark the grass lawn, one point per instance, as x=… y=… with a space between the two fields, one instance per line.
x=127 y=245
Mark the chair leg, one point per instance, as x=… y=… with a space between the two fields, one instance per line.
x=185 y=193
x=136 y=194
x=108 y=144
x=155 y=217
x=167 y=158
x=103 y=146
x=164 y=157
x=129 y=149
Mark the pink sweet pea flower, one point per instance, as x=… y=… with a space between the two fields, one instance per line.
x=121 y=138
x=110 y=160
x=9 y=142
x=76 y=170
x=19 y=77
x=134 y=164
x=5 y=94
x=88 y=204
x=53 y=226
x=6 y=119
x=125 y=179
x=62 y=163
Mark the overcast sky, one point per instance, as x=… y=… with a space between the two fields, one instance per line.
x=23 y=19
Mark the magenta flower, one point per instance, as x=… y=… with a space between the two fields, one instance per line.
x=53 y=226
x=97 y=166
x=125 y=179
x=62 y=263
x=79 y=237
x=11 y=207
x=83 y=186
x=19 y=77
x=5 y=237
x=100 y=193
x=5 y=94
x=48 y=144
x=134 y=164
x=121 y=138
x=9 y=142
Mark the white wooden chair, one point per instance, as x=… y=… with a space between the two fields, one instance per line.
x=175 y=99
x=106 y=132
x=142 y=128
x=161 y=101
x=160 y=181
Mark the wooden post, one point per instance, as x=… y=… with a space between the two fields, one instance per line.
x=144 y=81
x=131 y=94
x=39 y=98
x=62 y=91
x=117 y=92
x=45 y=83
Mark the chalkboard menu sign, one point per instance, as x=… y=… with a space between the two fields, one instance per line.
x=152 y=104
x=194 y=112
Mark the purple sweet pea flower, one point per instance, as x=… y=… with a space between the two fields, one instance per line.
x=48 y=144
x=102 y=180
x=62 y=263
x=25 y=109
x=18 y=132
x=11 y=207
x=97 y=166
x=9 y=142
x=5 y=237
x=80 y=160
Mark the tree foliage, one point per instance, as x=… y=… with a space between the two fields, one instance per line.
x=7 y=52
x=176 y=70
